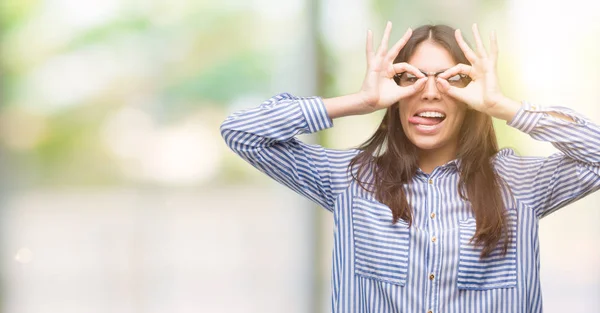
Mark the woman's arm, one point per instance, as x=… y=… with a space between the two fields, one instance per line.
x=548 y=184
x=264 y=136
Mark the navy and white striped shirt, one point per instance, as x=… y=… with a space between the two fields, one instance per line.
x=431 y=266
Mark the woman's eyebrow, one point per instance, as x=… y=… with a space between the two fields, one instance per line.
x=432 y=73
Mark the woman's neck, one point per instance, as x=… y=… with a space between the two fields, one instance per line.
x=430 y=159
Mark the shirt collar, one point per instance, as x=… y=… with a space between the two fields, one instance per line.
x=453 y=165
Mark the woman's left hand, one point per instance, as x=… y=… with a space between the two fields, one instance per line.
x=483 y=92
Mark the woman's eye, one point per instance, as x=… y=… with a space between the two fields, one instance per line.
x=410 y=77
x=459 y=80
x=455 y=79
x=406 y=79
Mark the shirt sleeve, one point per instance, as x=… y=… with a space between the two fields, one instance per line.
x=548 y=184
x=264 y=137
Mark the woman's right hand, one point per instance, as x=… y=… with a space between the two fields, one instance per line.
x=379 y=90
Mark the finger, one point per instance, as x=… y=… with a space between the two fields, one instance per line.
x=419 y=84
x=469 y=54
x=494 y=45
x=386 y=37
x=405 y=67
x=393 y=53
x=369 y=46
x=448 y=89
x=457 y=69
x=404 y=92
x=480 y=48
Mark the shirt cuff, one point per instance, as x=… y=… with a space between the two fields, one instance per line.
x=315 y=113
x=527 y=117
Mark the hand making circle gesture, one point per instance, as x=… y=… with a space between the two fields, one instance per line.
x=379 y=90
x=483 y=93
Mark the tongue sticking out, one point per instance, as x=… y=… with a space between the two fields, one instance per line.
x=425 y=120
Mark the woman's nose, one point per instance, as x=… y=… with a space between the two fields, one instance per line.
x=430 y=90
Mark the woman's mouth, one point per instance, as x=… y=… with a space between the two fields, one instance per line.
x=427 y=122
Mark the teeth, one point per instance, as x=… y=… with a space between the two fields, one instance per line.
x=431 y=114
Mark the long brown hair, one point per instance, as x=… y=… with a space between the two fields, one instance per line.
x=390 y=159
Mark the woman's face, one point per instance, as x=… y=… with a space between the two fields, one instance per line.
x=431 y=120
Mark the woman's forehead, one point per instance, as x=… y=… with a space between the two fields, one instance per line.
x=431 y=57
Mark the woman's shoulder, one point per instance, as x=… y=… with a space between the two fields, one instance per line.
x=505 y=153
x=507 y=156
x=512 y=154
x=509 y=159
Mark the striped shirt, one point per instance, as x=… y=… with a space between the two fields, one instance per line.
x=431 y=266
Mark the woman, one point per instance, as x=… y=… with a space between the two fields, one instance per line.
x=429 y=215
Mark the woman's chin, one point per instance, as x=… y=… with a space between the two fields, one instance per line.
x=427 y=142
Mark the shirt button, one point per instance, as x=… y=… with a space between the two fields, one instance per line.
x=433 y=239
x=431 y=277
x=432 y=215
x=431 y=181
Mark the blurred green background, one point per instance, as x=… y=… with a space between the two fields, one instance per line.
x=120 y=196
